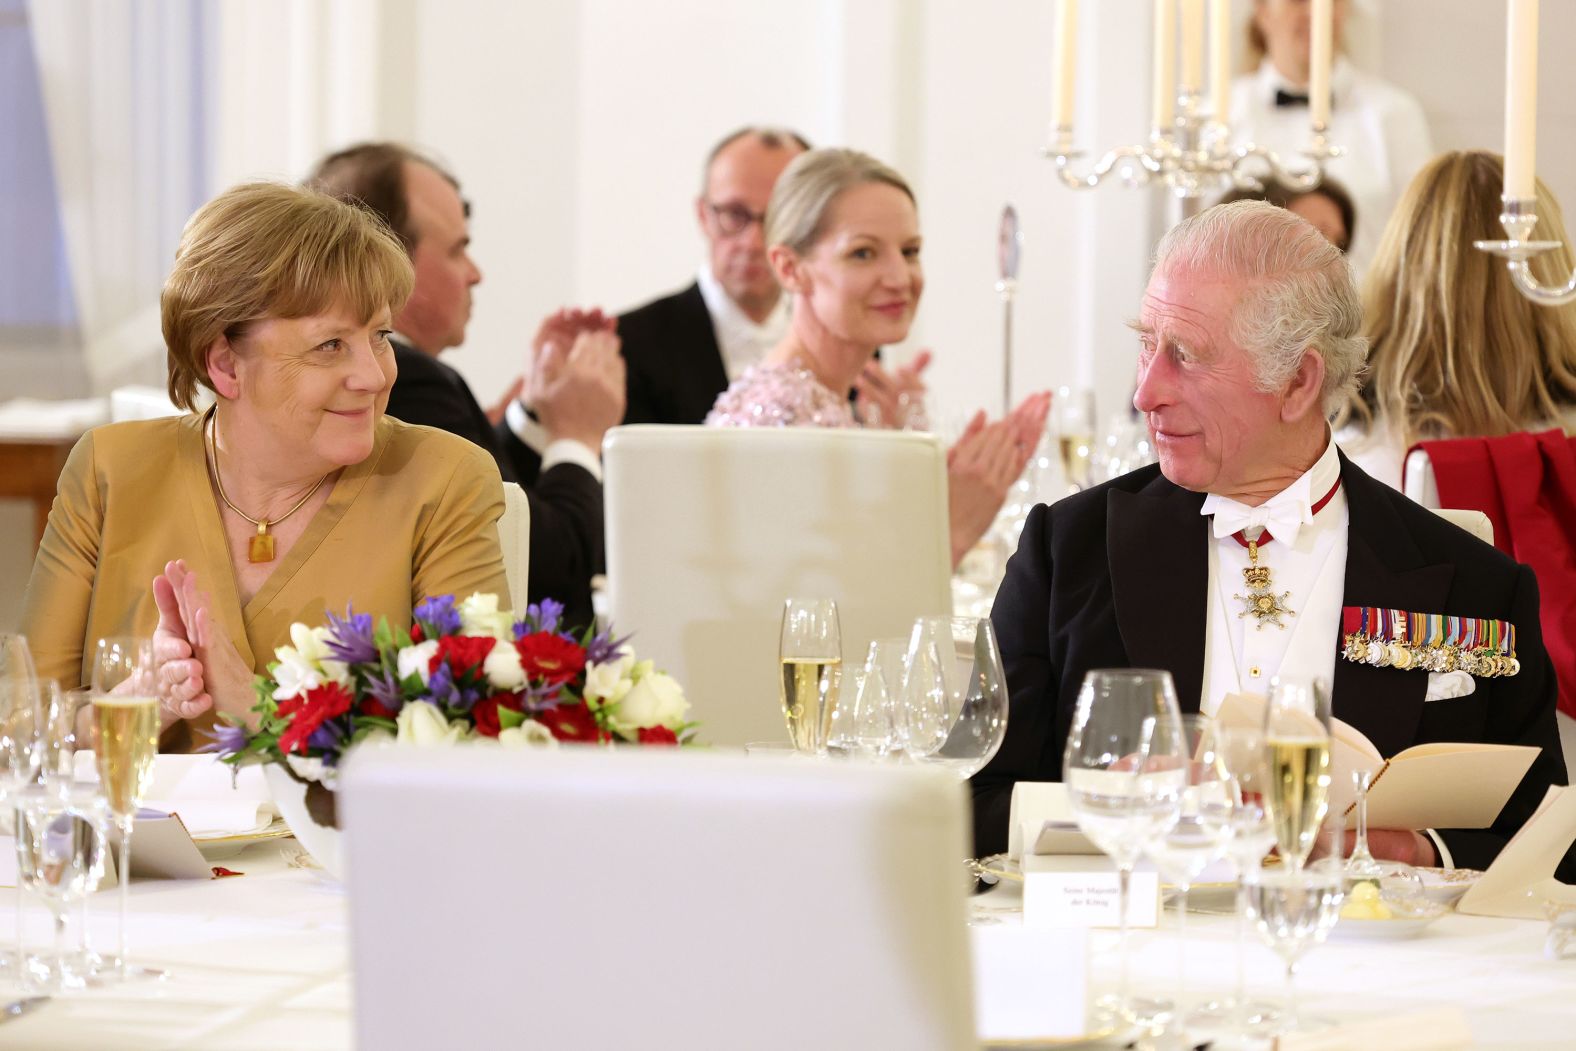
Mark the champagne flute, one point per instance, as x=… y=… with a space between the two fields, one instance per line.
x=125 y=724
x=1073 y=421
x=1199 y=837
x=811 y=652
x=1123 y=769
x=1297 y=744
x=971 y=707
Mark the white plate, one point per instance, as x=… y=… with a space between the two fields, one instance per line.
x=1383 y=930
x=1447 y=885
x=1117 y=1036
x=216 y=846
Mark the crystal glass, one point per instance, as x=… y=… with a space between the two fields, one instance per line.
x=1073 y=423
x=1293 y=909
x=19 y=759
x=125 y=726
x=1124 y=769
x=811 y=653
x=1297 y=749
x=964 y=697
x=62 y=830
x=1199 y=837
x=866 y=723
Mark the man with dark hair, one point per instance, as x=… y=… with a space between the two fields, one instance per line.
x=576 y=385
x=684 y=349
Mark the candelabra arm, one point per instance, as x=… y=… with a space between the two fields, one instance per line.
x=1519 y=220
x=1133 y=164
x=1537 y=291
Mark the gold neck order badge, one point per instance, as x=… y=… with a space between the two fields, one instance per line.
x=1261 y=603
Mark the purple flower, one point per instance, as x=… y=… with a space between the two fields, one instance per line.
x=605 y=647
x=545 y=615
x=384 y=688
x=226 y=738
x=329 y=739
x=350 y=639
x=438 y=616
x=541 y=696
x=445 y=693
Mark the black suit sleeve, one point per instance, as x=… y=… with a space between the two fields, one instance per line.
x=1021 y=617
x=566 y=539
x=526 y=461
x=1523 y=713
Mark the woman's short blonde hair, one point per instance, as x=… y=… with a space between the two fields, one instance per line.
x=1457 y=351
x=270 y=250
x=796 y=214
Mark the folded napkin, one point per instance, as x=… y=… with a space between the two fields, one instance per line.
x=32 y=418
x=211 y=798
x=1444 y=1029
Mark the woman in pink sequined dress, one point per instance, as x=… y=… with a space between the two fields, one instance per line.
x=843 y=238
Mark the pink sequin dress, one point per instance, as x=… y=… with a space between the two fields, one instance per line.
x=780 y=396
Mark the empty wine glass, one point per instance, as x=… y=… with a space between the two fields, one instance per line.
x=60 y=838
x=868 y=724
x=955 y=677
x=1203 y=827
x=1297 y=745
x=811 y=652
x=125 y=723
x=1123 y=768
x=1293 y=909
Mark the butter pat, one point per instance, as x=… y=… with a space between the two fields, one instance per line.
x=1062 y=891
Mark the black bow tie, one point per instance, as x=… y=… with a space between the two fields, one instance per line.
x=1287 y=98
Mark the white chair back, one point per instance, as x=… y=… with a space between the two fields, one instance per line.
x=709 y=530
x=514 y=536
x=654 y=899
x=1422 y=488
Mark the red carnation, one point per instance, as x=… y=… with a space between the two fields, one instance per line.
x=572 y=722
x=373 y=706
x=551 y=658
x=465 y=653
x=306 y=713
x=416 y=634
x=657 y=735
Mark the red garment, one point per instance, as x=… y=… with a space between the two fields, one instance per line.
x=1526 y=484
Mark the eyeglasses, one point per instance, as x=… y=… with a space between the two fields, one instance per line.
x=734 y=218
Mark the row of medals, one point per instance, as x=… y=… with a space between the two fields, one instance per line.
x=1481 y=661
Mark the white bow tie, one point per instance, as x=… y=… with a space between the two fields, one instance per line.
x=1283 y=516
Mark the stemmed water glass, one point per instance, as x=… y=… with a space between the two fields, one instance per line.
x=1203 y=828
x=1293 y=908
x=811 y=653
x=125 y=725
x=61 y=834
x=1297 y=748
x=956 y=693
x=18 y=759
x=1123 y=768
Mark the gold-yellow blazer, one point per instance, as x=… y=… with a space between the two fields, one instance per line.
x=417 y=517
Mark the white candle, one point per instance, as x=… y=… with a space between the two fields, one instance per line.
x=1066 y=62
x=1220 y=59
x=1521 y=99
x=1165 y=64
x=1319 y=67
x=1192 y=45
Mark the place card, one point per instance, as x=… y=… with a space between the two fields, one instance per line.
x=1082 y=891
x=1030 y=984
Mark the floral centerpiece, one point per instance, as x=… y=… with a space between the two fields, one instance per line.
x=465 y=672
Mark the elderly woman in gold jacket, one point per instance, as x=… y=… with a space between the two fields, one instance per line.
x=294 y=495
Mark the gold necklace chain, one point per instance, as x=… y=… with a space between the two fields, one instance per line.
x=259 y=548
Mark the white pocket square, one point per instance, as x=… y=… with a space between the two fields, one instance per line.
x=1443 y=685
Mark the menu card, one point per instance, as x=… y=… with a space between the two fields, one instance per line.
x=1437 y=785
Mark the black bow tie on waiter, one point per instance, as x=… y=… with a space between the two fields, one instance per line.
x=1287 y=98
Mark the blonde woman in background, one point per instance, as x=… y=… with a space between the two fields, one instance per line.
x=1455 y=350
x=842 y=236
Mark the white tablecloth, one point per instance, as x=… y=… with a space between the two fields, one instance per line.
x=260 y=962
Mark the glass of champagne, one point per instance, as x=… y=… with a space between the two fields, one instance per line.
x=1073 y=423
x=1297 y=749
x=1124 y=769
x=811 y=652
x=125 y=725
x=965 y=696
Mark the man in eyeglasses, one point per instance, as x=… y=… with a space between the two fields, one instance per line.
x=684 y=349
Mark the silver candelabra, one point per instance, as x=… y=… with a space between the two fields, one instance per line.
x=1194 y=157
x=1519 y=219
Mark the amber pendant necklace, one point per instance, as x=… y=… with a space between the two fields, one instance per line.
x=260 y=548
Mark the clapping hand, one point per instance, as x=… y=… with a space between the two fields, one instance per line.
x=890 y=399
x=204 y=669
x=576 y=386
x=983 y=464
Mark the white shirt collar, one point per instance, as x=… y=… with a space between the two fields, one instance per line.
x=742 y=341
x=1288 y=510
x=1269 y=81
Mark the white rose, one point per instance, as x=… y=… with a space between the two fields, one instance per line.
x=529 y=734
x=294 y=673
x=337 y=671
x=479 y=615
x=503 y=668
x=413 y=660
x=420 y=723
x=310 y=768
x=311 y=643
x=656 y=699
x=609 y=682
